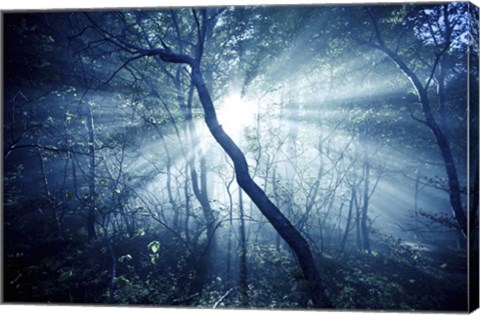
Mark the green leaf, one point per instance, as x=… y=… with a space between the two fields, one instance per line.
x=153 y=259
x=154 y=246
x=121 y=280
x=125 y=258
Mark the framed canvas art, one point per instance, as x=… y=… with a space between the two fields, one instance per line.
x=302 y=157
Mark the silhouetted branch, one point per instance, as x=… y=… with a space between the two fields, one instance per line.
x=125 y=64
x=412 y=115
x=47 y=148
x=375 y=28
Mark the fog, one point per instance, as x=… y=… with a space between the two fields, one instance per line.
x=123 y=185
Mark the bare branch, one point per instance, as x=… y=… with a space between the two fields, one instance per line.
x=124 y=65
x=415 y=118
x=375 y=28
x=222 y=298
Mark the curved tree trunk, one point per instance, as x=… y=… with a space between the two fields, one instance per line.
x=281 y=224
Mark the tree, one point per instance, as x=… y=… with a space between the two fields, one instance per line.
x=443 y=40
x=282 y=225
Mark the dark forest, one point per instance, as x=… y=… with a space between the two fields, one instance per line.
x=278 y=157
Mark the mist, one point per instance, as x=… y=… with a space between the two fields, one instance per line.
x=296 y=157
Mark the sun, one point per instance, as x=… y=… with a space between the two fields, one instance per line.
x=236 y=113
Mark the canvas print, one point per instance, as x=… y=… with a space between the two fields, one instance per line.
x=242 y=157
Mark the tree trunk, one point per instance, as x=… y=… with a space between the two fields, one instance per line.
x=430 y=122
x=48 y=194
x=200 y=193
x=357 y=224
x=187 y=206
x=417 y=190
x=258 y=196
x=365 y=236
x=200 y=189
x=441 y=139
x=91 y=174
x=243 y=276
x=349 y=220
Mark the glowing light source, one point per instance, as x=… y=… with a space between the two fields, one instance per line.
x=236 y=114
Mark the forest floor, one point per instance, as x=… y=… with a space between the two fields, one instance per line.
x=67 y=270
